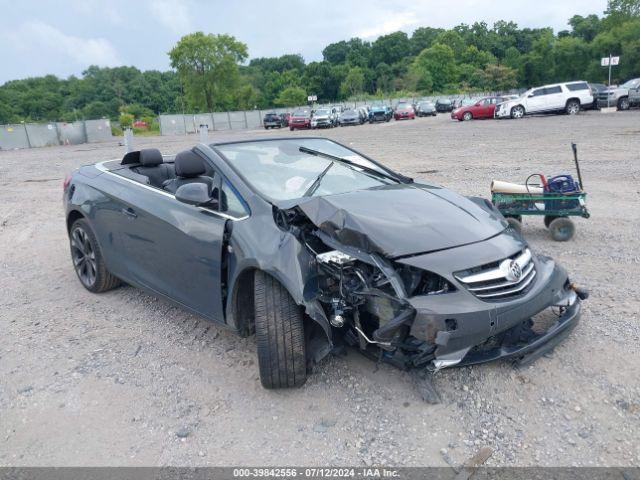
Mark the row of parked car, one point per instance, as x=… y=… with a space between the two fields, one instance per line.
x=566 y=97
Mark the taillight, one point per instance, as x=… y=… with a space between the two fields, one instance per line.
x=66 y=182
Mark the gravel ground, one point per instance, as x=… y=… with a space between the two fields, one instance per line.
x=125 y=379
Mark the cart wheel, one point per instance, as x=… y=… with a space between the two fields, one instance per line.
x=562 y=229
x=515 y=224
x=548 y=219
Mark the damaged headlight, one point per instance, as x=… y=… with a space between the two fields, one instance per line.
x=423 y=282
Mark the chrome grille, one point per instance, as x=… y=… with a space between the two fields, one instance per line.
x=501 y=280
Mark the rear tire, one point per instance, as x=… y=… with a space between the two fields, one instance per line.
x=562 y=229
x=548 y=219
x=573 y=107
x=87 y=259
x=279 y=335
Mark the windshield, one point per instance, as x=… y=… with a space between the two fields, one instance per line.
x=278 y=170
x=321 y=112
x=300 y=113
x=349 y=112
x=632 y=83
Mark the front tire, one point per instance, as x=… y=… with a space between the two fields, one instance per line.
x=562 y=229
x=573 y=107
x=467 y=116
x=623 y=103
x=517 y=111
x=87 y=259
x=279 y=335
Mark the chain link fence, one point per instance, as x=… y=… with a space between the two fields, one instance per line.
x=31 y=135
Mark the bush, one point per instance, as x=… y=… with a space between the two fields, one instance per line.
x=116 y=131
x=126 y=120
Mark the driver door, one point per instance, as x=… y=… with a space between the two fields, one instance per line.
x=175 y=249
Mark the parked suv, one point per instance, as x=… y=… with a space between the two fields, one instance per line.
x=272 y=120
x=567 y=97
x=622 y=97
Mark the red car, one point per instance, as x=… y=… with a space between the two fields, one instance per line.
x=300 y=119
x=404 y=112
x=483 y=108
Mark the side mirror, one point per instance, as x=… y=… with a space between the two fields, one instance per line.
x=531 y=95
x=478 y=104
x=195 y=194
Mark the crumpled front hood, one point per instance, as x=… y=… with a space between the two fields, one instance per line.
x=400 y=220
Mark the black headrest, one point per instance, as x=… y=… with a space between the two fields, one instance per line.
x=189 y=165
x=150 y=157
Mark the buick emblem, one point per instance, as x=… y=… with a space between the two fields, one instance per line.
x=515 y=272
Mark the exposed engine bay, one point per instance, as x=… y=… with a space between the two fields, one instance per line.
x=414 y=318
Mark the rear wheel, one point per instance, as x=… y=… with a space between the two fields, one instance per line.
x=623 y=103
x=87 y=259
x=548 y=219
x=279 y=335
x=467 y=116
x=573 y=107
x=562 y=229
x=517 y=111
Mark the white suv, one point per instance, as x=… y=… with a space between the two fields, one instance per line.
x=567 y=97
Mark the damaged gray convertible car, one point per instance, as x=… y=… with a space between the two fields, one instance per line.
x=315 y=247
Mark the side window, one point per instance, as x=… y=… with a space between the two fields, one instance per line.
x=538 y=92
x=550 y=90
x=577 y=86
x=230 y=202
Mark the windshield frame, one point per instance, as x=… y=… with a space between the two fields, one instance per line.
x=400 y=178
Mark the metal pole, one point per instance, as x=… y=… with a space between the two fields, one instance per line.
x=27 y=134
x=608 y=93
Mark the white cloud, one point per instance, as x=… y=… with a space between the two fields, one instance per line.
x=37 y=36
x=173 y=14
x=393 y=23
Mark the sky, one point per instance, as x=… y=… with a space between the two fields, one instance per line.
x=64 y=37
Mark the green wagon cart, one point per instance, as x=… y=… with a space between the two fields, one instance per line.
x=556 y=207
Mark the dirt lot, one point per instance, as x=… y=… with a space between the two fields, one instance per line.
x=125 y=379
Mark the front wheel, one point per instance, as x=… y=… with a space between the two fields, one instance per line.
x=573 y=107
x=291 y=129
x=623 y=103
x=87 y=259
x=562 y=229
x=517 y=111
x=279 y=335
x=467 y=116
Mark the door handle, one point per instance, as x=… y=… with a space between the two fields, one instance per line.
x=129 y=212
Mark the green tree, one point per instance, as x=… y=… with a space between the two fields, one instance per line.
x=437 y=65
x=390 y=48
x=353 y=84
x=208 y=68
x=292 y=97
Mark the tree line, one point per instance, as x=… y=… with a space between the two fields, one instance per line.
x=211 y=72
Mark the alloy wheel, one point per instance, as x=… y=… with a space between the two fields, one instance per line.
x=517 y=112
x=83 y=256
x=467 y=116
x=573 y=108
